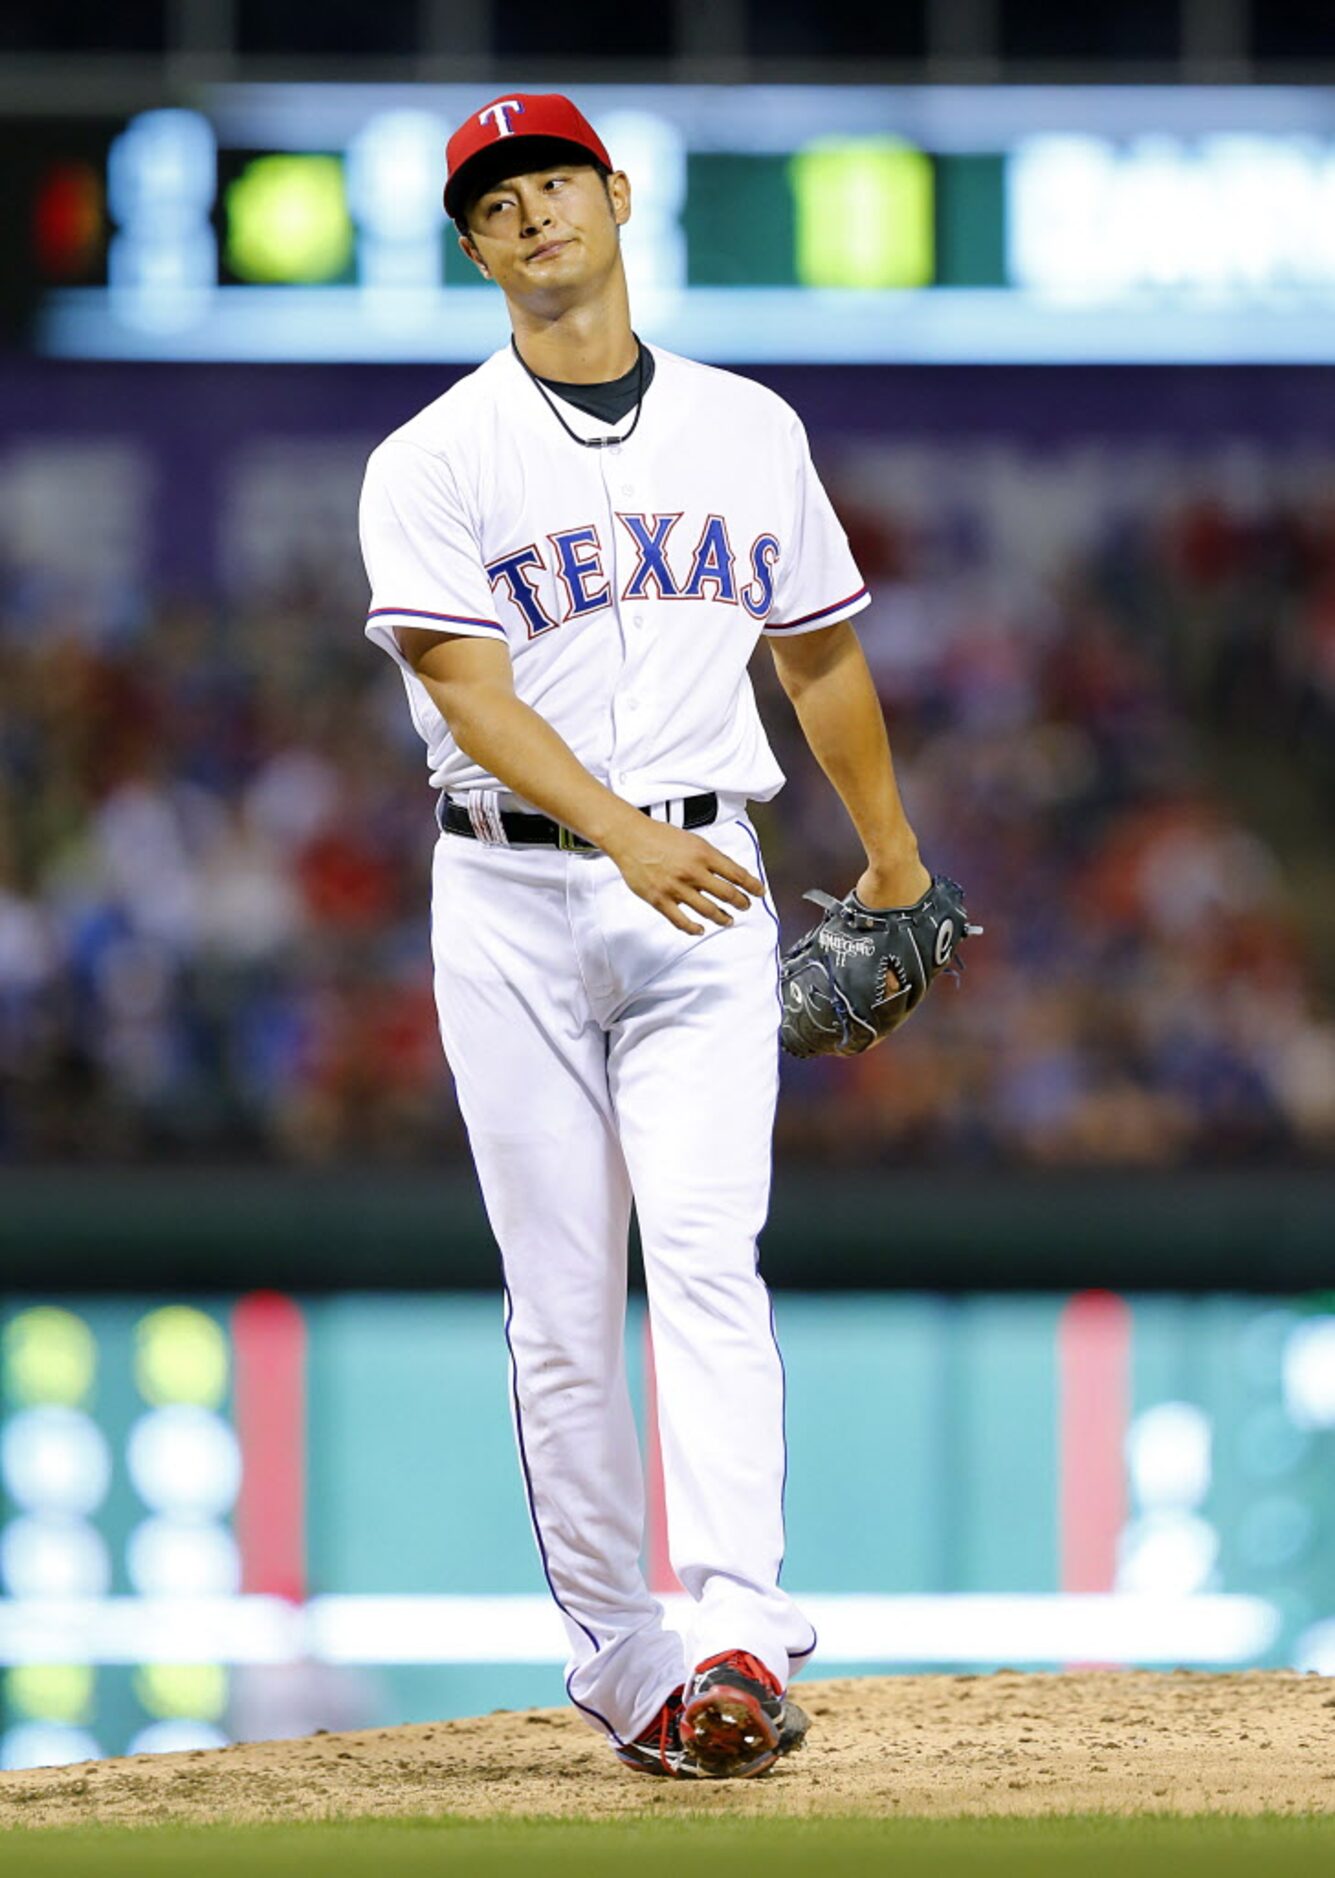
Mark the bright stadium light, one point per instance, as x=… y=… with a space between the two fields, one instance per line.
x=44 y=1555
x=55 y=1460
x=184 y=1460
x=1166 y=1554
x=652 y=150
x=182 y=1558
x=46 y=1744
x=1094 y=218
x=395 y=175
x=162 y=263
x=393 y=180
x=177 y=1737
x=1309 y=1372
x=1314 y=1652
x=1168 y=1456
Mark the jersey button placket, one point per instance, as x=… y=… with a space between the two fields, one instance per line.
x=619 y=494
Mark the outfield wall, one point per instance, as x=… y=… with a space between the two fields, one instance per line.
x=830 y=1228
x=265 y=1514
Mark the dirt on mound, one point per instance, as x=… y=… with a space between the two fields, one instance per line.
x=1113 y=1742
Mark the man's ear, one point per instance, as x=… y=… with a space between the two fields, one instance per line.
x=467 y=247
x=618 y=193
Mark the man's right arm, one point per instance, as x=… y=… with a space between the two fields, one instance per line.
x=471 y=682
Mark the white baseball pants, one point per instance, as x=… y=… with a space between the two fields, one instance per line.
x=600 y=1054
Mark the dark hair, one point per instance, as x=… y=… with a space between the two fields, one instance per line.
x=519 y=158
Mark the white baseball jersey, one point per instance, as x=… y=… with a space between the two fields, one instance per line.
x=629 y=582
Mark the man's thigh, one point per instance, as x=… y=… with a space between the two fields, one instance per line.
x=693 y=1071
x=529 y=1061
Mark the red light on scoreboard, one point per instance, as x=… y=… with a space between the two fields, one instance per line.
x=68 y=220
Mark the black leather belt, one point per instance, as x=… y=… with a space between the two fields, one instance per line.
x=523 y=829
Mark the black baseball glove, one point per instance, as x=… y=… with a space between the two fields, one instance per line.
x=859 y=973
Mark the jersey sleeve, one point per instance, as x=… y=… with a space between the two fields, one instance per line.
x=816 y=579
x=422 y=555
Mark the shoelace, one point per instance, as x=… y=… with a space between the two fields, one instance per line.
x=664 y=1730
x=667 y=1721
x=749 y=1665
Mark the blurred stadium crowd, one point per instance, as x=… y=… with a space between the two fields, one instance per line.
x=215 y=839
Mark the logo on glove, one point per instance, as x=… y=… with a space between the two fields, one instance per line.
x=846 y=947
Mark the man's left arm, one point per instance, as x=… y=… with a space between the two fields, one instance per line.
x=826 y=678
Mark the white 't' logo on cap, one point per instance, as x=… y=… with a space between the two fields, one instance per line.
x=499 y=114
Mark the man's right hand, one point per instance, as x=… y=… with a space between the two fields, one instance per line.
x=680 y=873
x=471 y=683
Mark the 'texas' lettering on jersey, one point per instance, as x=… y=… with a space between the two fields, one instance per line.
x=575 y=556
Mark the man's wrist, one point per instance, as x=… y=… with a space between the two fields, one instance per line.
x=897 y=855
x=610 y=821
x=898 y=881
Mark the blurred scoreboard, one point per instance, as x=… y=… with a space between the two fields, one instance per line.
x=771 y=225
x=259 y=1516
x=120 y=1470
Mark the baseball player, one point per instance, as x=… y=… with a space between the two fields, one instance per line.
x=572 y=554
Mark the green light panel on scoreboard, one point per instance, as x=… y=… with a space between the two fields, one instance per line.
x=287 y=220
x=869 y=213
x=864 y=213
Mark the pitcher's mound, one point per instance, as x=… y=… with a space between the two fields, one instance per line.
x=1115 y=1742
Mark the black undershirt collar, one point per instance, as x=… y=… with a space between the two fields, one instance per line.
x=608 y=402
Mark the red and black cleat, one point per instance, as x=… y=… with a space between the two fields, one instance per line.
x=658 y=1749
x=735 y=1721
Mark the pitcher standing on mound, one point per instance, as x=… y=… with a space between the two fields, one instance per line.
x=572 y=554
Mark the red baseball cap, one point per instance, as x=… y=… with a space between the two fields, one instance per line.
x=520 y=118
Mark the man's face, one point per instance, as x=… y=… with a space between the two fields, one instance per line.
x=548 y=235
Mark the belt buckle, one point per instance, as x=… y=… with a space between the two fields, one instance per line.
x=571 y=843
